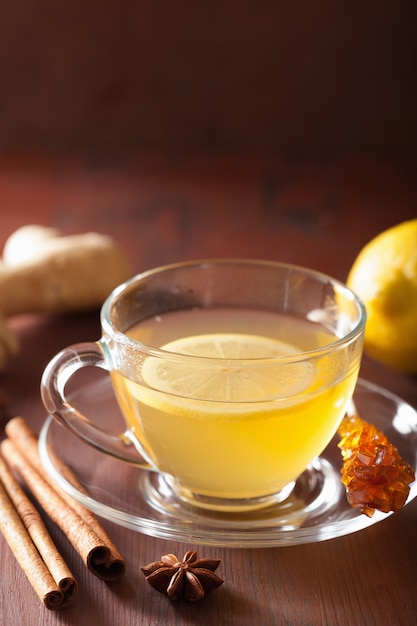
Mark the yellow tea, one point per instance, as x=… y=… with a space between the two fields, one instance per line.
x=227 y=431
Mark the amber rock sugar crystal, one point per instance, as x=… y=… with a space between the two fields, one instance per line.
x=373 y=473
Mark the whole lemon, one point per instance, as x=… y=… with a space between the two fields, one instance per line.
x=384 y=276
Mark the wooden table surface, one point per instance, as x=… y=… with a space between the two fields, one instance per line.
x=162 y=210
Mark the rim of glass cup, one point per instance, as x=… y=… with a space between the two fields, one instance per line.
x=148 y=350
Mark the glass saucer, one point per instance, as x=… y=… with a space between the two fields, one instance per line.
x=314 y=510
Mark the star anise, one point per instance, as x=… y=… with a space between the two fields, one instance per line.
x=190 y=578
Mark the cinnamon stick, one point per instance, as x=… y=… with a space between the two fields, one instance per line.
x=32 y=546
x=26 y=440
x=100 y=557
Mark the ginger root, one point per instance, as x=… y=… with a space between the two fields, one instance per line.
x=43 y=271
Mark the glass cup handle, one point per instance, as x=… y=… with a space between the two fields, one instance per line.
x=54 y=379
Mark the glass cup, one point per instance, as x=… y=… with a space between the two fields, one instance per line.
x=232 y=376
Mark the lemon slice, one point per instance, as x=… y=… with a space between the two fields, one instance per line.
x=231 y=346
x=232 y=381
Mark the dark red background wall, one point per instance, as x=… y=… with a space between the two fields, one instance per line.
x=290 y=77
